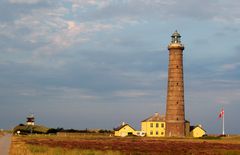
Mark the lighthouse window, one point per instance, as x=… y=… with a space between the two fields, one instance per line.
x=177 y=102
x=177 y=83
x=177 y=66
x=177 y=118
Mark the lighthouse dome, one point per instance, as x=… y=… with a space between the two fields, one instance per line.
x=176 y=34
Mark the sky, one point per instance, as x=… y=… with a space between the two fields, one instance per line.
x=96 y=63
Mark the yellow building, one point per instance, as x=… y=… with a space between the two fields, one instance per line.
x=124 y=130
x=154 y=126
x=197 y=131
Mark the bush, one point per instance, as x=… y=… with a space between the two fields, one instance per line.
x=210 y=137
x=27 y=129
x=54 y=131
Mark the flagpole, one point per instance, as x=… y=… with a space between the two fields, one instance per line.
x=223 y=124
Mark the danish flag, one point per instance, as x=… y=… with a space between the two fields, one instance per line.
x=221 y=113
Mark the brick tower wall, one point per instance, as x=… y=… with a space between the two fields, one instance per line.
x=175 y=115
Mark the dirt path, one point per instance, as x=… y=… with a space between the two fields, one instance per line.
x=5 y=142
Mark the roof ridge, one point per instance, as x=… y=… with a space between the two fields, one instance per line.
x=122 y=126
x=155 y=117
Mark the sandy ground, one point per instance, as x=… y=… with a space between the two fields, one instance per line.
x=5 y=142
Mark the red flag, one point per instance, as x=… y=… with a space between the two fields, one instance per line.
x=221 y=113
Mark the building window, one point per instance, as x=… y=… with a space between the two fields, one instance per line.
x=156 y=132
x=151 y=125
x=130 y=133
x=157 y=125
x=162 y=133
x=151 y=132
x=162 y=125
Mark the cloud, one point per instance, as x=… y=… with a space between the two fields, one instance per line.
x=222 y=96
x=82 y=4
x=134 y=93
x=230 y=66
x=25 y=1
x=49 y=32
x=56 y=27
x=144 y=10
x=98 y=56
x=68 y=94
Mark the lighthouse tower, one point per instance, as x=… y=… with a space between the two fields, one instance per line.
x=175 y=115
